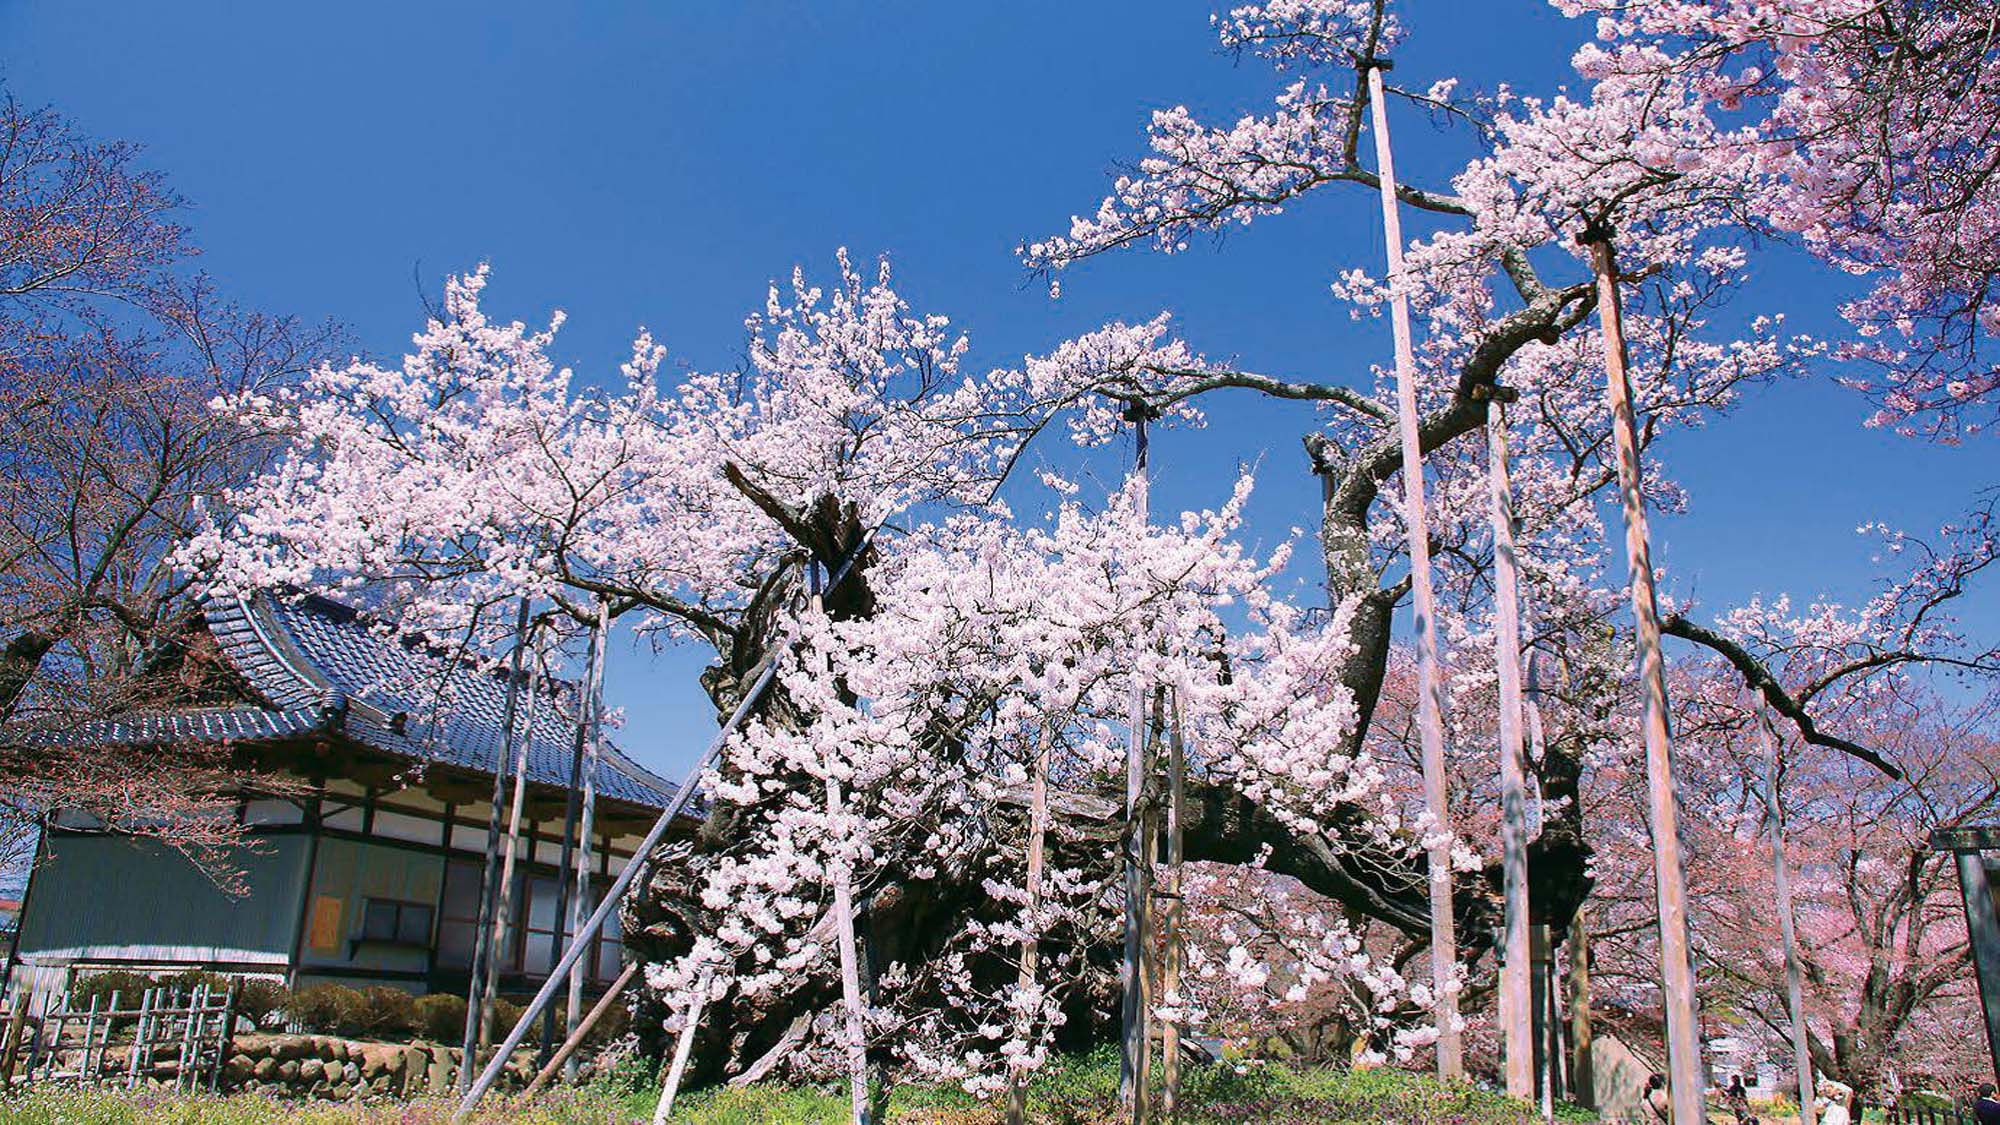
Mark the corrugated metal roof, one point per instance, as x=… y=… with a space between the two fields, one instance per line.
x=319 y=666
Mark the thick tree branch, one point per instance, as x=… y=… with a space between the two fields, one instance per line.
x=1759 y=678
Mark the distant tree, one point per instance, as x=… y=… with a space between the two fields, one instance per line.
x=112 y=350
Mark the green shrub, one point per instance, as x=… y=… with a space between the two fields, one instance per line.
x=333 y=1009
x=187 y=980
x=256 y=999
x=330 y=1009
x=441 y=1017
x=129 y=986
x=386 y=1012
x=506 y=1014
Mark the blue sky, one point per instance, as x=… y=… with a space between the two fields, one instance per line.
x=658 y=164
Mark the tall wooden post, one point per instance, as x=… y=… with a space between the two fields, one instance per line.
x=489 y=874
x=1031 y=947
x=642 y=856
x=1135 y=1043
x=522 y=744
x=1172 y=916
x=567 y=890
x=1516 y=1028
x=850 y=970
x=1430 y=689
x=579 y=1030
x=1982 y=928
x=1684 y=1068
x=1582 y=1070
x=590 y=709
x=683 y=1046
x=842 y=874
x=1781 y=880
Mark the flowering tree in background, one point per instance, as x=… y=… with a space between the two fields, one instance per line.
x=111 y=351
x=1862 y=130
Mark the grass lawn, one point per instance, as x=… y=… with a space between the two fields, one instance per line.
x=1080 y=1092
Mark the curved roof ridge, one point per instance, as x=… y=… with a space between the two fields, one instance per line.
x=407 y=694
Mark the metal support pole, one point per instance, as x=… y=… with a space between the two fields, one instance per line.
x=1781 y=880
x=641 y=859
x=1430 y=689
x=590 y=708
x=1135 y=1042
x=1684 y=1068
x=1515 y=1026
x=489 y=873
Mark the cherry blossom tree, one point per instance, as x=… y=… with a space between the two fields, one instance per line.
x=1862 y=130
x=970 y=643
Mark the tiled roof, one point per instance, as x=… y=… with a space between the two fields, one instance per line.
x=317 y=665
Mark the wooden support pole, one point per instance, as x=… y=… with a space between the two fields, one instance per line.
x=1515 y=1026
x=683 y=1046
x=1982 y=927
x=641 y=857
x=10 y=1050
x=522 y=743
x=850 y=967
x=1781 y=880
x=1684 y=1066
x=579 y=1029
x=841 y=870
x=1031 y=946
x=1172 y=918
x=489 y=873
x=1135 y=1040
x=1582 y=1070
x=590 y=706
x=567 y=890
x=1430 y=688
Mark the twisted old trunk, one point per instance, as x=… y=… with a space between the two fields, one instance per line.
x=905 y=918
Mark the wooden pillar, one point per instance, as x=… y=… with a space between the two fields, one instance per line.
x=1430 y=688
x=590 y=706
x=1540 y=1015
x=1982 y=927
x=1135 y=1042
x=1172 y=917
x=1582 y=1071
x=1031 y=947
x=1515 y=1026
x=1787 y=927
x=841 y=871
x=1684 y=1067
x=504 y=894
x=683 y=1045
x=580 y=1028
x=489 y=873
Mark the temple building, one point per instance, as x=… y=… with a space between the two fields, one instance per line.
x=367 y=870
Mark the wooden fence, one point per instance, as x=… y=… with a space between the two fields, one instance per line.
x=164 y=1034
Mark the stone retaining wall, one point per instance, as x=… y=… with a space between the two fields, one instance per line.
x=336 y=1069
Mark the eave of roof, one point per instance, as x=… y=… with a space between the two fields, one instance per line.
x=320 y=668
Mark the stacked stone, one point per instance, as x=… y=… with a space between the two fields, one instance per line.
x=335 y=1069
